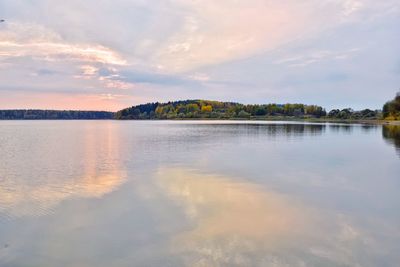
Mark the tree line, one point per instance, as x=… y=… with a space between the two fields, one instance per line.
x=37 y=114
x=204 y=109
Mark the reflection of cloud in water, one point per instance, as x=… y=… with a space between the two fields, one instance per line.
x=222 y=200
x=236 y=223
x=28 y=200
x=53 y=171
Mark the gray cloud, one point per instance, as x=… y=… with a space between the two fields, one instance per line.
x=156 y=78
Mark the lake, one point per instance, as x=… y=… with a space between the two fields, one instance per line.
x=198 y=193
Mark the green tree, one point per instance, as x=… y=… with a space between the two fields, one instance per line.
x=391 y=109
x=243 y=114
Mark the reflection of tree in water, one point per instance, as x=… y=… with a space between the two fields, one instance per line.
x=295 y=129
x=348 y=128
x=391 y=133
x=265 y=129
x=345 y=128
x=368 y=128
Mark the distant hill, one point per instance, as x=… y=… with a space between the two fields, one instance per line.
x=216 y=110
x=207 y=109
x=37 y=114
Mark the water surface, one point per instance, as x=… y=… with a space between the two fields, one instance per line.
x=201 y=193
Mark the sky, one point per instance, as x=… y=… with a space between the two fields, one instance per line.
x=111 y=54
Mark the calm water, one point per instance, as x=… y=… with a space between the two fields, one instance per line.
x=130 y=193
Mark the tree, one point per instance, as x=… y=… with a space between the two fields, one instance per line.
x=391 y=109
x=243 y=114
x=192 y=107
x=206 y=109
x=260 y=111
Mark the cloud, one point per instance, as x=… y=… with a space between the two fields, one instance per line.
x=215 y=49
x=155 y=78
x=38 y=42
x=316 y=56
x=111 y=96
x=199 y=77
x=217 y=32
x=351 y=6
x=51 y=51
x=87 y=72
x=45 y=72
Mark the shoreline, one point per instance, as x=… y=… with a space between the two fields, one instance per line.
x=272 y=119
x=312 y=120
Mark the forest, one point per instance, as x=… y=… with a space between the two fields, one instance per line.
x=205 y=109
x=215 y=110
